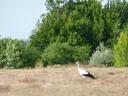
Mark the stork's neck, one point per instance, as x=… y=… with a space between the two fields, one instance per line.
x=78 y=65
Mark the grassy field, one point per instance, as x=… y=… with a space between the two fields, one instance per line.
x=63 y=81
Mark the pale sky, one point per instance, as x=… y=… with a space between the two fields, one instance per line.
x=19 y=17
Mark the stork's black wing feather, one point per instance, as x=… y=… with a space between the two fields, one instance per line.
x=89 y=75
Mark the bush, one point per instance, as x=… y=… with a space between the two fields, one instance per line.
x=16 y=54
x=57 y=53
x=29 y=57
x=102 y=55
x=82 y=53
x=121 y=51
x=3 y=43
x=62 y=53
x=13 y=52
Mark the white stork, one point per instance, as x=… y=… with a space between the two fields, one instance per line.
x=84 y=73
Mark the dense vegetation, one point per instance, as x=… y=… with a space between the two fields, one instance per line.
x=63 y=53
x=71 y=30
x=16 y=54
x=121 y=50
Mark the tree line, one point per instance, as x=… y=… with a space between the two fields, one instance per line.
x=80 y=22
x=84 y=30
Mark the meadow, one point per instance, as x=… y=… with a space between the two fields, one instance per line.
x=63 y=81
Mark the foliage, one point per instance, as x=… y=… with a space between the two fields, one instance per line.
x=102 y=55
x=121 y=50
x=16 y=54
x=69 y=21
x=63 y=53
x=80 y=22
x=29 y=57
x=69 y=31
x=3 y=43
x=57 y=53
x=82 y=53
x=13 y=52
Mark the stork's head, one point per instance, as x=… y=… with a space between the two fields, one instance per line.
x=78 y=64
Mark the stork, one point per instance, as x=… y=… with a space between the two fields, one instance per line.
x=84 y=73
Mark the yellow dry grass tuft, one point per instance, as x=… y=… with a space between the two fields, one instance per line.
x=63 y=81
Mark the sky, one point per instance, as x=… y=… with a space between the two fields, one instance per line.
x=19 y=17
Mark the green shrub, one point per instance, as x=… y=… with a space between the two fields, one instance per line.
x=62 y=53
x=2 y=52
x=13 y=52
x=102 y=55
x=29 y=57
x=16 y=54
x=57 y=53
x=121 y=51
x=82 y=53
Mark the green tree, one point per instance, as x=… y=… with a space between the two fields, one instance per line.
x=68 y=21
x=17 y=54
x=3 y=43
x=13 y=53
x=80 y=22
x=121 y=50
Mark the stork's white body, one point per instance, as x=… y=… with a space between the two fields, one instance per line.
x=81 y=72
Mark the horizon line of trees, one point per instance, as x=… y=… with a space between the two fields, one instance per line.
x=83 y=30
x=80 y=22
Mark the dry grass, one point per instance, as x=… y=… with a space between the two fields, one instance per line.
x=63 y=81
